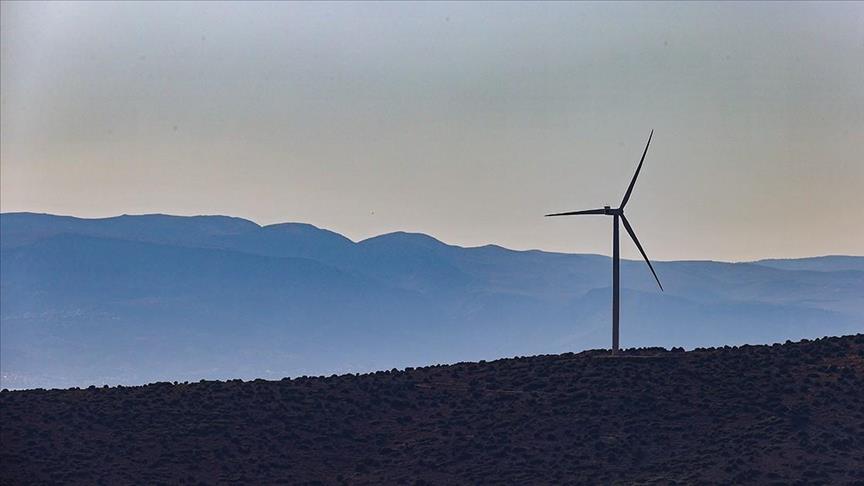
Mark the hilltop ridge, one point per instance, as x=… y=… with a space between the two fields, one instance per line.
x=748 y=414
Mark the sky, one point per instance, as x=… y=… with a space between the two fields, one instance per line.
x=464 y=121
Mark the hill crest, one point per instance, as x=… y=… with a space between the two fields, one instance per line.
x=781 y=413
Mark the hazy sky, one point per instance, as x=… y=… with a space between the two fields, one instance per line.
x=464 y=121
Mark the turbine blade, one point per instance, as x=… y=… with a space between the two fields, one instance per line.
x=638 y=168
x=574 y=213
x=636 y=240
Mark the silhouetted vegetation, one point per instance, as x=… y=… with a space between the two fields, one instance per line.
x=763 y=414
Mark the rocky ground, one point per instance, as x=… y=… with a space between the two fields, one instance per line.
x=761 y=414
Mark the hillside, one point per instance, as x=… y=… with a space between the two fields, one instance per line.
x=749 y=414
x=137 y=299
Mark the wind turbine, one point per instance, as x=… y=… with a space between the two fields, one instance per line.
x=618 y=213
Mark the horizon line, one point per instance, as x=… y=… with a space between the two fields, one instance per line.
x=259 y=225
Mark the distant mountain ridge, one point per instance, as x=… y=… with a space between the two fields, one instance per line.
x=828 y=263
x=17 y=227
x=140 y=298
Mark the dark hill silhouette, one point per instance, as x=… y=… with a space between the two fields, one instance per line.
x=134 y=299
x=781 y=414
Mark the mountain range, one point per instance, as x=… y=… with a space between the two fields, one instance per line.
x=137 y=299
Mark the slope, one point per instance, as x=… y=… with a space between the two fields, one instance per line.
x=784 y=414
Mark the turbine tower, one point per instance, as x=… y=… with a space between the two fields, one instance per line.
x=618 y=213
